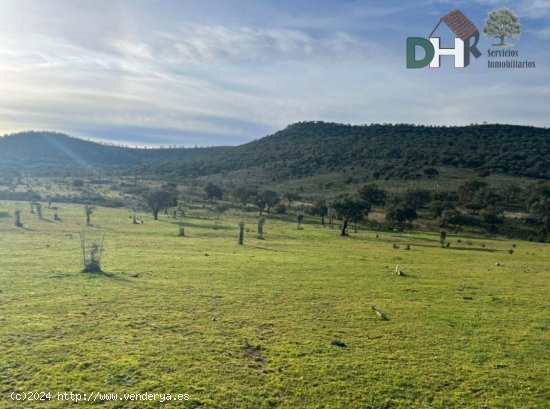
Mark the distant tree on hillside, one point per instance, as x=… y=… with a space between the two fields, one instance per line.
x=244 y=194
x=156 y=200
x=372 y=195
x=417 y=198
x=430 y=172
x=221 y=208
x=265 y=200
x=213 y=191
x=539 y=205
x=467 y=191
x=400 y=213
x=491 y=218
x=510 y=192
x=320 y=209
x=452 y=217
x=291 y=197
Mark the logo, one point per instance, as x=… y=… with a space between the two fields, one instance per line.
x=466 y=40
x=502 y=23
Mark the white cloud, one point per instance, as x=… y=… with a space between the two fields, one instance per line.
x=109 y=68
x=535 y=8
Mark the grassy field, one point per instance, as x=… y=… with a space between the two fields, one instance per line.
x=252 y=326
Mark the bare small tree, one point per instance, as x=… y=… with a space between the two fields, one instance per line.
x=18 y=218
x=241 y=233
x=89 y=210
x=39 y=210
x=261 y=228
x=92 y=250
x=299 y=220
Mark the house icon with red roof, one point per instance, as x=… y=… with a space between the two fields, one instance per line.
x=466 y=40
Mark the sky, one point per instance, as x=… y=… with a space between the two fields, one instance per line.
x=224 y=72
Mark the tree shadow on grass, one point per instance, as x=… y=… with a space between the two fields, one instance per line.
x=105 y=274
x=198 y=226
x=472 y=248
x=267 y=249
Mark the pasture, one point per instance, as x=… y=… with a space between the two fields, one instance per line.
x=255 y=326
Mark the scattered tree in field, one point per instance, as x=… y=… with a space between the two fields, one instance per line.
x=157 y=200
x=299 y=219
x=88 y=211
x=452 y=217
x=261 y=222
x=488 y=198
x=291 y=197
x=241 y=233
x=502 y=23
x=56 y=217
x=92 y=250
x=491 y=218
x=320 y=209
x=372 y=195
x=244 y=195
x=400 y=213
x=18 y=218
x=436 y=209
x=468 y=190
x=221 y=208
x=280 y=208
x=213 y=192
x=510 y=192
x=417 y=198
x=430 y=172
x=265 y=200
x=350 y=210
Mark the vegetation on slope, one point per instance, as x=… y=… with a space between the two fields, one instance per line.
x=387 y=151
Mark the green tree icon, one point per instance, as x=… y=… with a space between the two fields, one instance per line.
x=502 y=23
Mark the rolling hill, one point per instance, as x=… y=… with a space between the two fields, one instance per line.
x=305 y=149
x=52 y=153
x=385 y=151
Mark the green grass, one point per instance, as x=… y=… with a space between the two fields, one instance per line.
x=251 y=326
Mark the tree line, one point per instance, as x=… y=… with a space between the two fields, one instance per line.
x=474 y=203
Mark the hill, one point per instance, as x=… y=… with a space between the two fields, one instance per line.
x=385 y=151
x=52 y=153
x=307 y=148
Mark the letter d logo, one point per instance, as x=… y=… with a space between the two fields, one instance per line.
x=412 y=43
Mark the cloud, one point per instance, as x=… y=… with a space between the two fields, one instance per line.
x=220 y=44
x=535 y=8
x=232 y=71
